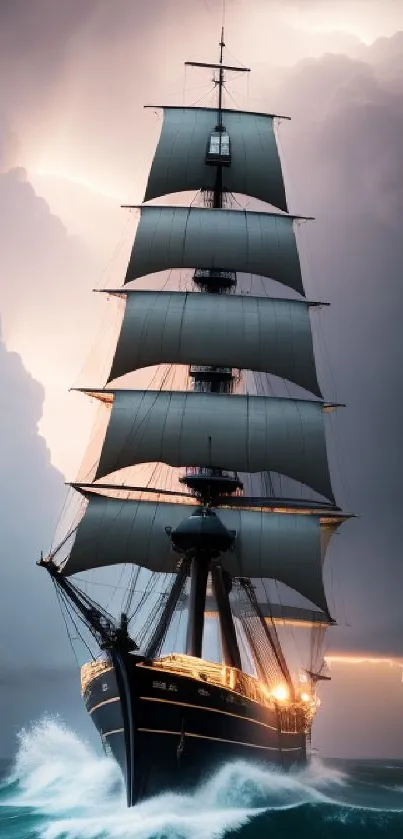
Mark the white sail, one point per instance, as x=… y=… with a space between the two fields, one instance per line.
x=223 y=431
x=180 y=159
x=283 y=546
x=230 y=240
x=254 y=333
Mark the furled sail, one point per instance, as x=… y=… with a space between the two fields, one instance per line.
x=230 y=240
x=180 y=159
x=224 y=431
x=282 y=546
x=253 y=333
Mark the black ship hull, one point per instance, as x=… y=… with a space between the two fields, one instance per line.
x=169 y=731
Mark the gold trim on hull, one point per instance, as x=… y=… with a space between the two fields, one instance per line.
x=115 y=731
x=219 y=740
x=296 y=714
x=105 y=702
x=207 y=708
x=233 y=681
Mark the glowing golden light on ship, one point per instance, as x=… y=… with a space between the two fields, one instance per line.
x=281 y=693
x=306 y=697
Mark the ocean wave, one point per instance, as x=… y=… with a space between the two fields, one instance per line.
x=64 y=790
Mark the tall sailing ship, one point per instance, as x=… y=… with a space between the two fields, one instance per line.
x=224 y=510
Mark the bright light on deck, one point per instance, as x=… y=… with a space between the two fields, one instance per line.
x=281 y=693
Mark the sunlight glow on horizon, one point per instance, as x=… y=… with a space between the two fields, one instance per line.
x=363 y=659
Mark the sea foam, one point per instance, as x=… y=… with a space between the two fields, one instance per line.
x=79 y=795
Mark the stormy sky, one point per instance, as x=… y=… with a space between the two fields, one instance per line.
x=74 y=144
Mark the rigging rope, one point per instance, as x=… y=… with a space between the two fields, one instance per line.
x=63 y=601
x=265 y=649
x=131 y=589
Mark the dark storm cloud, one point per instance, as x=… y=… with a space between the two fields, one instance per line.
x=27 y=695
x=352 y=721
x=348 y=130
x=31 y=496
x=36 y=662
x=43 y=272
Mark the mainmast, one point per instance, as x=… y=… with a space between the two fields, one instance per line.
x=218 y=152
x=213 y=379
x=221 y=78
x=218 y=191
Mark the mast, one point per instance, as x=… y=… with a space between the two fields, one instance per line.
x=212 y=378
x=199 y=572
x=218 y=191
x=221 y=587
x=221 y=78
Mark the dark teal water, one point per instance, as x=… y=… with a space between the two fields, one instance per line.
x=59 y=788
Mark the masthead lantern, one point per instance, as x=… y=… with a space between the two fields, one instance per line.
x=219 y=147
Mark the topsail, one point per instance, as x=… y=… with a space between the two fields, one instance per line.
x=179 y=164
x=215 y=240
x=265 y=334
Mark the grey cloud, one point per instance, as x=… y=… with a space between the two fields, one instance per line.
x=8 y=146
x=352 y=721
x=348 y=131
x=44 y=271
x=31 y=496
x=29 y=695
x=36 y=662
